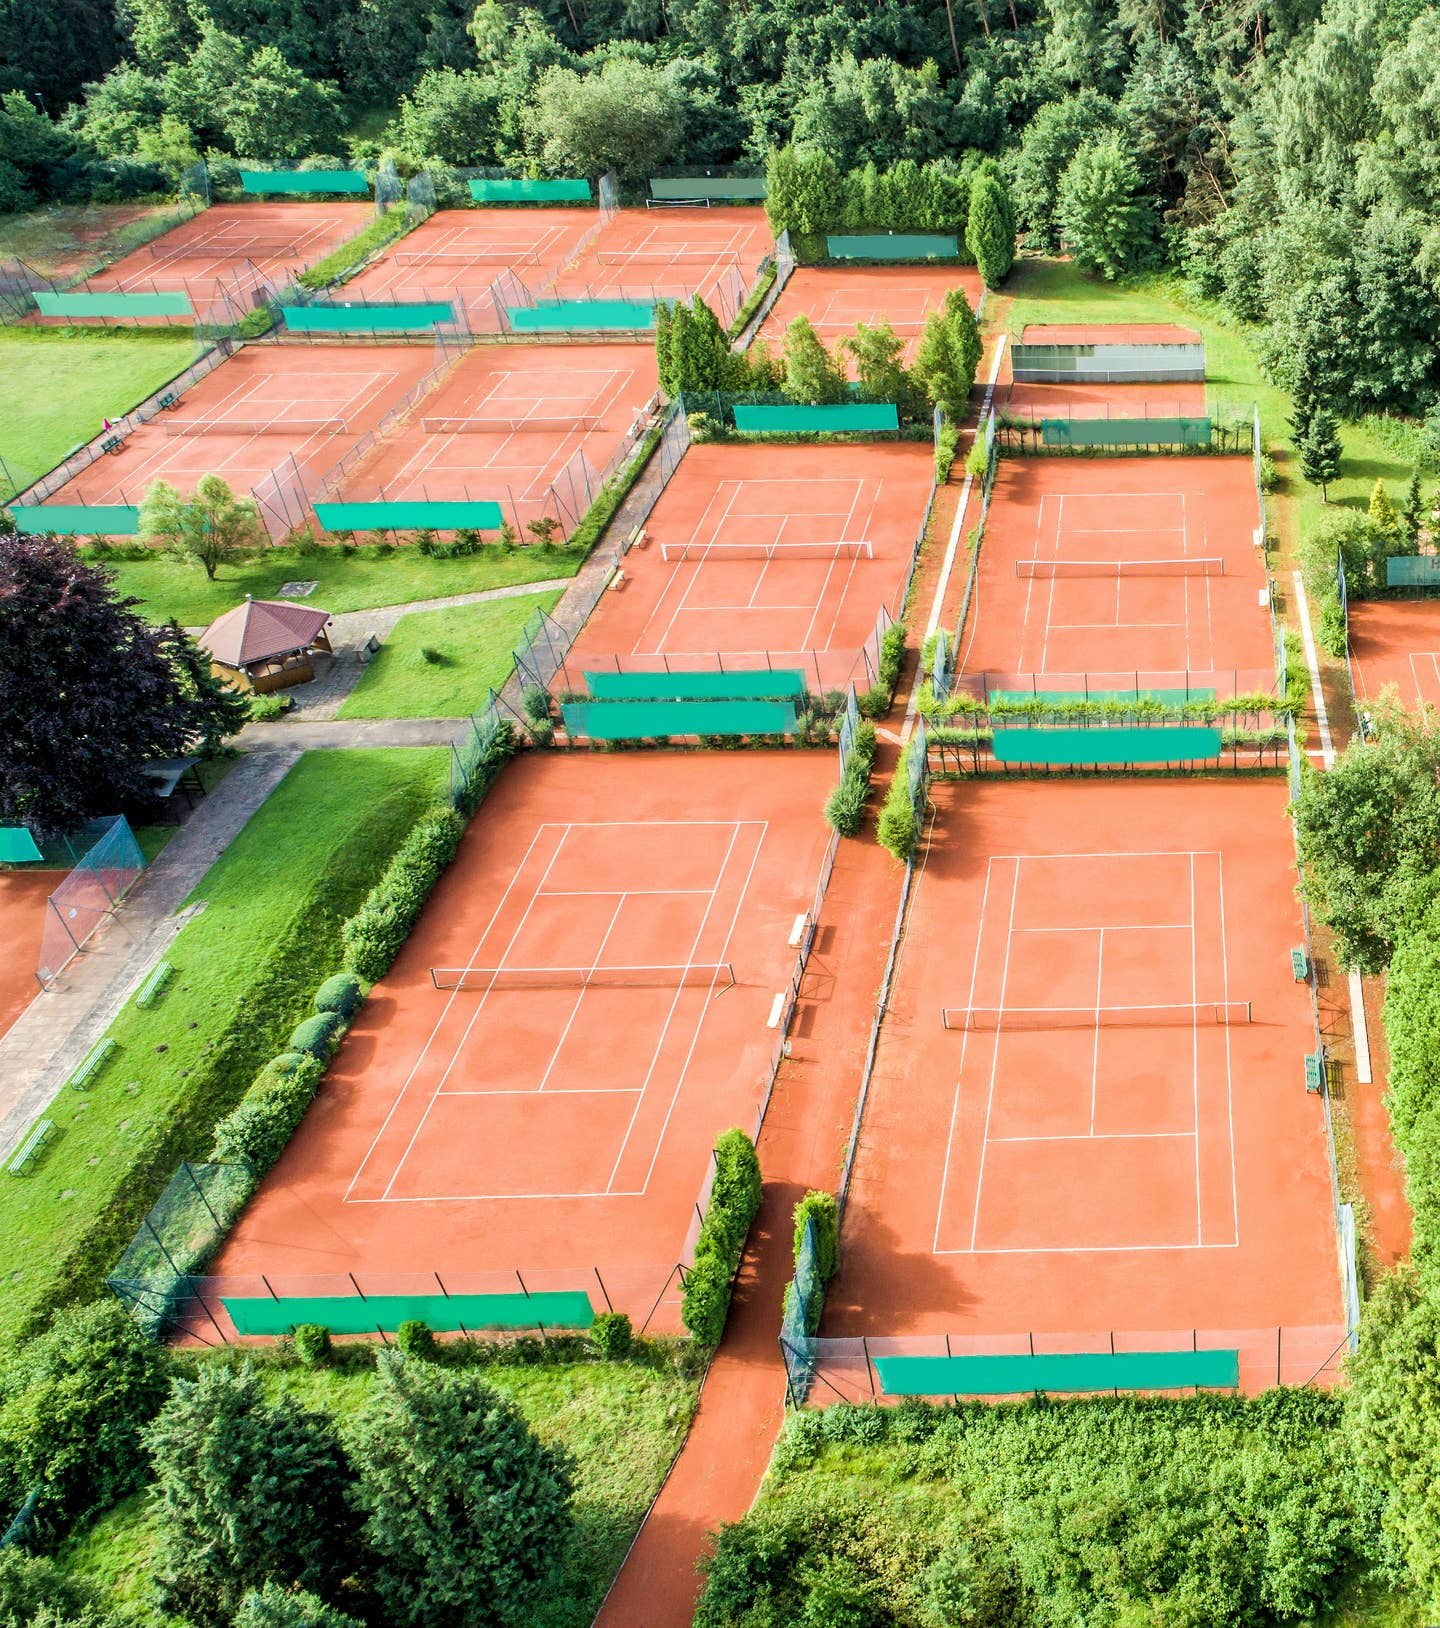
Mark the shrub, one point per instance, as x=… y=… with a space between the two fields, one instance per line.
x=312 y=1343
x=318 y=1035
x=258 y=1127
x=874 y=702
x=536 y=703
x=975 y=460
x=1331 y=631
x=265 y=709
x=415 y=1338
x=611 y=1335
x=374 y=934
x=945 y=450
x=822 y=1212
x=341 y=994
x=706 y=1301
x=892 y=655
x=897 y=829
x=734 y=1200
x=845 y=807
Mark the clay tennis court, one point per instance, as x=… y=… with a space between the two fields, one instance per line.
x=555 y=1113
x=756 y=554
x=1113 y=1131
x=1098 y=568
x=23 y=896
x=1396 y=641
x=266 y=404
x=835 y=299
x=508 y=422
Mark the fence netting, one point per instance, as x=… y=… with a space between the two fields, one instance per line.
x=387 y=185
x=102 y=876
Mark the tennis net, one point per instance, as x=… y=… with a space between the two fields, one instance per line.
x=698 y=553
x=489 y=253
x=677 y=203
x=500 y=426
x=257 y=426
x=996 y=1019
x=1191 y=566
x=715 y=975
x=223 y=249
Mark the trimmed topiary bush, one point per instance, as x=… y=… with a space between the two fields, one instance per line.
x=611 y=1335
x=257 y=1128
x=415 y=1338
x=341 y=994
x=312 y=1343
x=734 y=1202
x=318 y=1035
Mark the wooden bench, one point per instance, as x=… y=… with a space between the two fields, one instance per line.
x=1300 y=964
x=112 y=444
x=637 y=539
x=84 y=1076
x=1315 y=1071
x=616 y=583
x=1265 y=598
x=30 y=1147
x=150 y=989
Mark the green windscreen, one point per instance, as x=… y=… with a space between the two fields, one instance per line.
x=300 y=181
x=750 y=187
x=1081 y=1371
x=562 y=315
x=393 y=317
x=1125 y=432
x=79 y=519
x=1122 y=743
x=413 y=515
x=1067 y=698
x=894 y=246
x=1413 y=571
x=446 y=1314
x=637 y=720
x=859 y=415
x=114 y=305
x=764 y=682
x=506 y=191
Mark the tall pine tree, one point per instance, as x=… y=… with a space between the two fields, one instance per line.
x=990 y=230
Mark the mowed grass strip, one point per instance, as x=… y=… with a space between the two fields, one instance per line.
x=439 y=663
x=245 y=971
x=358 y=579
x=61 y=384
x=621 y=1421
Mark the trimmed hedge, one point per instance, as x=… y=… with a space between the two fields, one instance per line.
x=257 y=1129
x=318 y=1035
x=822 y=1210
x=340 y=994
x=897 y=829
x=374 y=934
x=734 y=1202
x=1412 y=1034
x=845 y=807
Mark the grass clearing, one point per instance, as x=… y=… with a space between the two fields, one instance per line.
x=64 y=238
x=621 y=1421
x=245 y=969
x=358 y=580
x=439 y=664
x=61 y=382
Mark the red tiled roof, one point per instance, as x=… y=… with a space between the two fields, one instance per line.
x=260 y=629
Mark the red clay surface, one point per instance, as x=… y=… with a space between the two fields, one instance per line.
x=1109 y=333
x=835 y=300
x=287 y=385
x=516 y=468
x=22 y=915
x=218 y=256
x=557 y=1130
x=1058 y=631
x=1396 y=641
x=647 y=254
x=1095 y=400
x=1083 y=1177
x=794 y=610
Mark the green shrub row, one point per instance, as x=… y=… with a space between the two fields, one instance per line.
x=374 y=934
x=348 y=258
x=945 y=449
x=257 y=1128
x=820 y=1211
x=845 y=807
x=898 y=829
x=763 y=285
x=875 y=702
x=607 y=502
x=1412 y=1034
x=1125 y=709
x=734 y=1202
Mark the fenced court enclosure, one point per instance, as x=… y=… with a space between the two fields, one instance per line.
x=836 y=299
x=778 y=556
x=1107 y=353
x=583 y=1008
x=1395 y=641
x=24 y=907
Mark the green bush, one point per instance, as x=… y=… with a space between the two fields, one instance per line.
x=976 y=461
x=265 y=709
x=258 y=1127
x=945 y=450
x=415 y=1338
x=318 y=1035
x=892 y=655
x=312 y=1343
x=822 y=1212
x=611 y=1335
x=374 y=934
x=1331 y=630
x=845 y=807
x=897 y=829
x=340 y=993
x=734 y=1202
x=602 y=511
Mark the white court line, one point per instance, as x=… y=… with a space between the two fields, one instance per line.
x=1103 y=1136
x=1195 y=1058
x=1229 y=1061
x=994 y=1061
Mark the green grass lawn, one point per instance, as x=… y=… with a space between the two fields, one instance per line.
x=360 y=580
x=621 y=1421
x=60 y=384
x=63 y=238
x=245 y=969
x=439 y=664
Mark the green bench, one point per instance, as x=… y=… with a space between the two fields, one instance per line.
x=112 y=444
x=169 y=400
x=1315 y=1071
x=84 y=1076
x=30 y=1147
x=1300 y=964
x=149 y=991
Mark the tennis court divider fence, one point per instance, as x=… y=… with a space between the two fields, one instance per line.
x=420 y=202
x=849 y=724
x=1257 y=458
x=86 y=898
x=609 y=197
x=387 y=185
x=1342 y=595
x=784 y=271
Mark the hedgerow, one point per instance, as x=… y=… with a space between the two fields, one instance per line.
x=734 y=1201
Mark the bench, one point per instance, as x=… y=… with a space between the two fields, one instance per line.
x=169 y=401
x=1315 y=1071
x=616 y=583
x=1265 y=597
x=84 y=1076
x=369 y=645
x=30 y=1147
x=150 y=989
x=637 y=539
x=112 y=444
x=1300 y=964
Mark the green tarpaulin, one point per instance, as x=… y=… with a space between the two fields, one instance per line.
x=414 y=515
x=300 y=181
x=1065 y=698
x=79 y=519
x=860 y=415
x=506 y=191
x=738 y=187
x=1084 y=1371
x=637 y=720
x=1413 y=571
x=894 y=246
x=79 y=304
x=733 y=686
x=397 y=317
x=1120 y=743
x=563 y=315
x=1125 y=432
x=349 y=1314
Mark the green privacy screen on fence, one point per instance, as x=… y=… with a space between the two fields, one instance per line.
x=394 y=317
x=561 y=315
x=1125 y=432
x=859 y=415
x=1413 y=571
x=894 y=246
x=79 y=519
x=414 y=515
x=529 y=191
x=745 y=187
x=352 y=1314
x=643 y=720
x=114 y=305
x=1162 y=743
x=1079 y=1371
x=750 y=684
x=1060 y=699
x=304 y=181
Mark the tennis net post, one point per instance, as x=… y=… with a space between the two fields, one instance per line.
x=1178 y=1014
x=717 y=976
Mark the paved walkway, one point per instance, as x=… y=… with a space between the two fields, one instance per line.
x=52 y=1035
x=303 y=734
